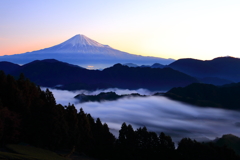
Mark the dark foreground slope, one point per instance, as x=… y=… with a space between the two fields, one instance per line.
x=222 y=69
x=53 y=73
x=29 y=115
x=208 y=95
x=230 y=141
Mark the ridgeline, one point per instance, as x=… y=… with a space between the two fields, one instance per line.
x=31 y=116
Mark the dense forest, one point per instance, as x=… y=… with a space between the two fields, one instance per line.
x=30 y=115
x=226 y=96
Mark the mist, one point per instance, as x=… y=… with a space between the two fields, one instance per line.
x=158 y=114
x=117 y=91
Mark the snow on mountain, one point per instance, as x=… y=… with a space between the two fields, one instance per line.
x=81 y=44
x=81 y=50
x=81 y=40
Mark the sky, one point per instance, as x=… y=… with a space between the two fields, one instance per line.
x=162 y=28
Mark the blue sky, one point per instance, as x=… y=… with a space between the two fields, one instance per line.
x=165 y=28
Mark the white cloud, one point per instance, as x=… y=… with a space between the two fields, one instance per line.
x=158 y=114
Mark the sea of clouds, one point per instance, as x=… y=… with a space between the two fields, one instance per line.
x=157 y=113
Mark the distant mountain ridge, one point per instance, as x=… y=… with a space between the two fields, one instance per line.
x=223 y=68
x=208 y=95
x=8 y=67
x=53 y=73
x=219 y=71
x=83 y=51
x=155 y=65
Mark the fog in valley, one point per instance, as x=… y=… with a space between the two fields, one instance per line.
x=157 y=113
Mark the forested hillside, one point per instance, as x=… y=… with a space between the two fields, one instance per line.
x=30 y=115
x=226 y=96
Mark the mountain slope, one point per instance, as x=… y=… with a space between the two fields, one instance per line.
x=227 y=68
x=52 y=73
x=157 y=65
x=83 y=51
x=230 y=141
x=208 y=95
x=81 y=44
x=47 y=72
x=8 y=67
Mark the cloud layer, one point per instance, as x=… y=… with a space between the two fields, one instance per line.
x=158 y=114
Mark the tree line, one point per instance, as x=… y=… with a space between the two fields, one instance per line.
x=31 y=115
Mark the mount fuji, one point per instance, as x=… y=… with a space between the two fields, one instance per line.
x=81 y=50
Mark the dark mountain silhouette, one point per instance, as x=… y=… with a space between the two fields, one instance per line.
x=230 y=141
x=225 y=68
x=104 y=96
x=8 y=67
x=130 y=65
x=157 y=65
x=48 y=72
x=208 y=95
x=215 y=81
x=52 y=73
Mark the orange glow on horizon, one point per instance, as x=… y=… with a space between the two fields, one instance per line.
x=18 y=50
x=34 y=46
x=27 y=46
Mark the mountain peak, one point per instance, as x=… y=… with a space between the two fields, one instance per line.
x=82 y=50
x=81 y=40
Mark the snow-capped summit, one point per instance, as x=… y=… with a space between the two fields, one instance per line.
x=84 y=51
x=81 y=40
x=78 y=44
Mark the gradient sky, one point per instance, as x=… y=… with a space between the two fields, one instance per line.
x=201 y=29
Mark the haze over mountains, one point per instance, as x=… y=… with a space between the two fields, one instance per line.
x=58 y=66
x=52 y=73
x=219 y=71
x=157 y=112
x=84 y=51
